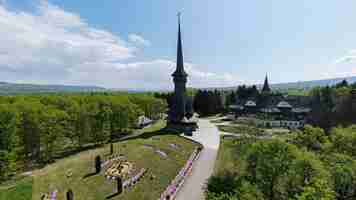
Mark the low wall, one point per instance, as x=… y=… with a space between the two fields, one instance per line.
x=176 y=184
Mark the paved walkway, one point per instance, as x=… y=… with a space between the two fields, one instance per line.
x=208 y=135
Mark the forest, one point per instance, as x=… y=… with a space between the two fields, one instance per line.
x=36 y=129
x=307 y=164
x=316 y=162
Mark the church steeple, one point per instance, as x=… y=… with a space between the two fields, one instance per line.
x=180 y=62
x=266 y=87
x=178 y=109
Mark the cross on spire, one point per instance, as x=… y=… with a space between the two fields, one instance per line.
x=179 y=14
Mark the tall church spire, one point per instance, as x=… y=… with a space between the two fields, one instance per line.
x=178 y=109
x=266 y=87
x=180 y=62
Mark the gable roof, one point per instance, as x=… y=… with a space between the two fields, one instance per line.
x=250 y=103
x=283 y=104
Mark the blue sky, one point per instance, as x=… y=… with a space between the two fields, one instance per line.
x=132 y=44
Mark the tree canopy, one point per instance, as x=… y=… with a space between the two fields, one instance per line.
x=37 y=128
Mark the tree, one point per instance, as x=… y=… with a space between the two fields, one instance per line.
x=29 y=128
x=319 y=191
x=306 y=173
x=8 y=123
x=343 y=172
x=341 y=84
x=268 y=161
x=52 y=129
x=82 y=124
x=228 y=186
x=224 y=183
x=73 y=129
x=34 y=128
x=344 y=140
x=311 y=137
x=208 y=102
x=8 y=140
x=4 y=164
x=323 y=107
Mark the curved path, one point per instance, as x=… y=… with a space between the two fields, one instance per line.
x=208 y=135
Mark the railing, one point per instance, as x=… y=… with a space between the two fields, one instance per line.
x=176 y=184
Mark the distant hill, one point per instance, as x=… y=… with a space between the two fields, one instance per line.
x=19 y=88
x=311 y=84
x=301 y=85
x=23 y=88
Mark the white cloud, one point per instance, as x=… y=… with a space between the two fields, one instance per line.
x=139 y=40
x=52 y=41
x=55 y=46
x=350 y=57
x=154 y=74
x=344 y=66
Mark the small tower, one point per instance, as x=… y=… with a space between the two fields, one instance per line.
x=178 y=109
x=266 y=89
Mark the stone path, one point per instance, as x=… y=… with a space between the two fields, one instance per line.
x=208 y=135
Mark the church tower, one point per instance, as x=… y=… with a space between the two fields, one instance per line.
x=266 y=89
x=178 y=109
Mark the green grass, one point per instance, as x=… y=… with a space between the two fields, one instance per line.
x=241 y=129
x=231 y=154
x=225 y=156
x=277 y=131
x=22 y=190
x=211 y=116
x=217 y=121
x=53 y=177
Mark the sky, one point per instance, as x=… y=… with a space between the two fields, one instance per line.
x=131 y=44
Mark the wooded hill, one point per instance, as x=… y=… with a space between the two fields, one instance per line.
x=17 y=88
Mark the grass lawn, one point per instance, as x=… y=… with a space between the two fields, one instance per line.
x=225 y=158
x=54 y=176
x=277 y=131
x=241 y=129
x=222 y=120
x=211 y=116
x=22 y=190
x=231 y=154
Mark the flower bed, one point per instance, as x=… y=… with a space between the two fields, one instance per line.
x=177 y=182
x=119 y=169
x=111 y=159
x=133 y=180
x=52 y=196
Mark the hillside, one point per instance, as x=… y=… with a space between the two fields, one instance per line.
x=17 y=88
x=311 y=84
x=298 y=86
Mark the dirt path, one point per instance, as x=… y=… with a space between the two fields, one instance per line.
x=208 y=135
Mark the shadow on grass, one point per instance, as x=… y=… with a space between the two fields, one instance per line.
x=112 y=195
x=147 y=135
x=76 y=150
x=89 y=175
